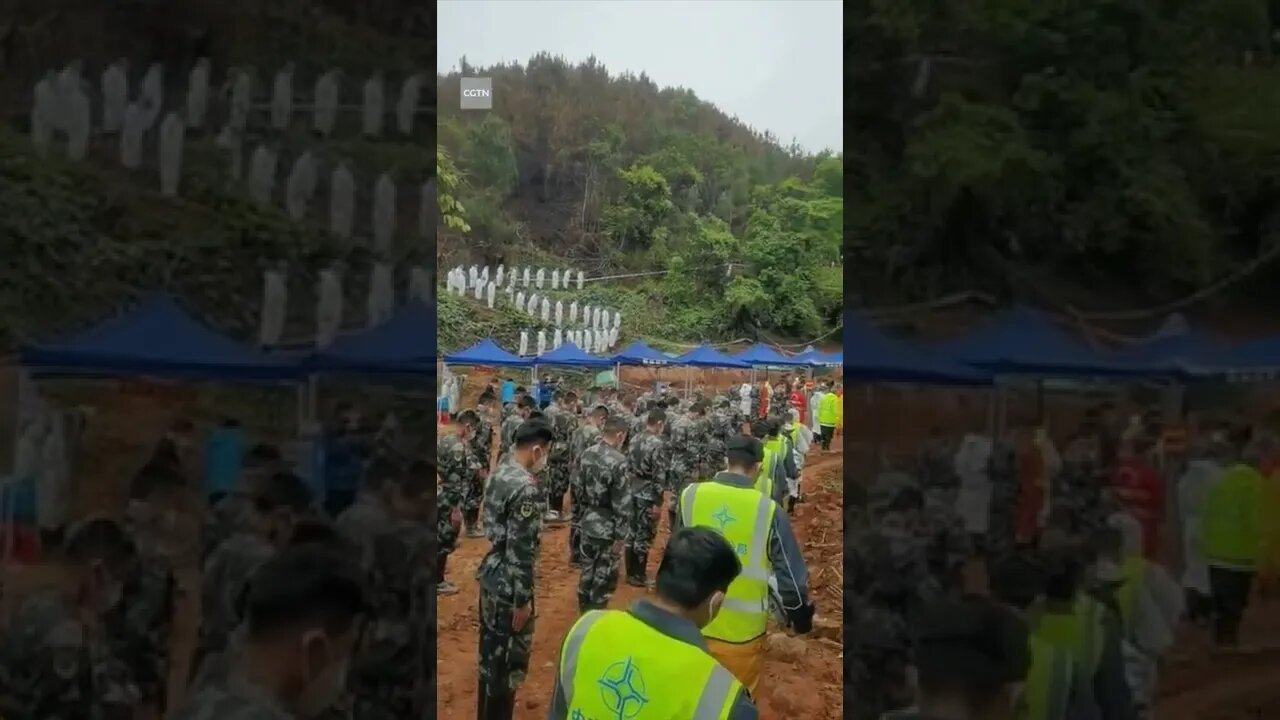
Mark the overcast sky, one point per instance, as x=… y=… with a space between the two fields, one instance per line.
x=776 y=64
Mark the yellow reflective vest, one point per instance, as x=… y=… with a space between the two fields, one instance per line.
x=1048 y=690
x=829 y=410
x=764 y=479
x=613 y=665
x=1080 y=632
x=744 y=517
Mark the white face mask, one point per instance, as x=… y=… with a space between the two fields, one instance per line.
x=713 y=606
x=323 y=691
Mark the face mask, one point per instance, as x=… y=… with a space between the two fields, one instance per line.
x=323 y=691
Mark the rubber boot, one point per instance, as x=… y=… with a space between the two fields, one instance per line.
x=633 y=566
x=500 y=705
x=575 y=555
x=443 y=586
x=642 y=569
x=471 y=519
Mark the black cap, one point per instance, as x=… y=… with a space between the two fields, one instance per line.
x=745 y=448
x=975 y=633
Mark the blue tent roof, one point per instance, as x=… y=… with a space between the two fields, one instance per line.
x=879 y=357
x=570 y=355
x=761 y=354
x=708 y=357
x=1179 y=350
x=487 y=353
x=835 y=359
x=156 y=338
x=810 y=357
x=1023 y=341
x=405 y=343
x=637 y=353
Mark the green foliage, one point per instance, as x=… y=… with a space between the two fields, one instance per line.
x=1103 y=142
x=643 y=207
x=451 y=210
x=490 y=161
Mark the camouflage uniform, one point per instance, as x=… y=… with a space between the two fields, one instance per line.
x=51 y=670
x=513 y=521
x=685 y=446
x=944 y=541
x=361 y=522
x=646 y=459
x=556 y=475
x=233 y=513
x=510 y=425
x=719 y=429
x=236 y=699
x=389 y=669
x=605 y=501
x=481 y=449
x=136 y=630
x=226 y=577
x=1077 y=492
x=458 y=468
x=937 y=467
x=583 y=438
x=1003 y=471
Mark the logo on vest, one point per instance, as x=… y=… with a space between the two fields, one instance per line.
x=723 y=517
x=622 y=690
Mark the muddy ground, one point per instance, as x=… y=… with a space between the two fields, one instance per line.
x=802 y=676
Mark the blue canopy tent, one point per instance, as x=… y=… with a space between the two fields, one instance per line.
x=835 y=359
x=708 y=357
x=403 y=345
x=761 y=355
x=638 y=353
x=1253 y=360
x=570 y=355
x=878 y=357
x=487 y=353
x=157 y=338
x=1023 y=341
x=810 y=357
x=1177 y=350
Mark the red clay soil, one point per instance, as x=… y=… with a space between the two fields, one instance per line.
x=802 y=677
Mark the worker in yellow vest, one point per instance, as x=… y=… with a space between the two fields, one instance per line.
x=651 y=661
x=1056 y=688
x=770 y=555
x=1073 y=621
x=1232 y=537
x=970 y=658
x=770 y=478
x=1148 y=601
x=828 y=416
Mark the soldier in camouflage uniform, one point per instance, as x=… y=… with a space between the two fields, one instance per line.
x=284 y=500
x=481 y=445
x=303 y=617
x=888 y=578
x=647 y=458
x=513 y=407
x=458 y=467
x=587 y=434
x=234 y=511
x=688 y=446
x=513 y=514
x=1004 y=498
x=368 y=515
x=719 y=426
x=564 y=421
x=97 y=652
x=605 y=503
x=525 y=407
x=936 y=464
x=389 y=669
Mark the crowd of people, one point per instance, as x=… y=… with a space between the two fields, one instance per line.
x=1093 y=558
x=607 y=467
x=313 y=603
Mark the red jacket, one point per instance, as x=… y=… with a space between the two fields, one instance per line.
x=799 y=403
x=1141 y=490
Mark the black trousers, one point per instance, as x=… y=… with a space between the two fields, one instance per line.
x=827 y=432
x=1230 y=596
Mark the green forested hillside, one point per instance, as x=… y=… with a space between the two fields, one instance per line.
x=1103 y=152
x=616 y=175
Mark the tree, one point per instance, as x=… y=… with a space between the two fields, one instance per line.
x=451 y=211
x=644 y=204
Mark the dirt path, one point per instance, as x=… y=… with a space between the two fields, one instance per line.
x=802 y=678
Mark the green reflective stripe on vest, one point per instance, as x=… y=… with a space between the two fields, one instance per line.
x=1048 y=691
x=1132 y=570
x=744 y=517
x=764 y=480
x=613 y=665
